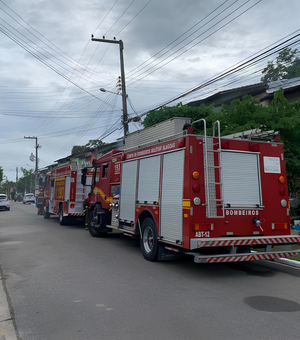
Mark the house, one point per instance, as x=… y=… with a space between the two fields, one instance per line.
x=263 y=92
x=86 y=157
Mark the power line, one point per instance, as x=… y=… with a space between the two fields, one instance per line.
x=119 y=17
x=48 y=65
x=152 y=59
x=235 y=69
x=167 y=62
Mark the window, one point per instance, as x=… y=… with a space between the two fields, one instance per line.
x=105 y=170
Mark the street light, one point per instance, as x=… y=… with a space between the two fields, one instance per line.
x=104 y=90
x=37 y=146
x=133 y=119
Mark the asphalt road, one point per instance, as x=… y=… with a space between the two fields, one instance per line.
x=64 y=284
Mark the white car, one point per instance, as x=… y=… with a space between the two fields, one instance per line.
x=4 y=202
x=29 y=198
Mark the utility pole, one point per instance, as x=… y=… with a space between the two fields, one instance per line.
x=124 y=96
x=36 y=158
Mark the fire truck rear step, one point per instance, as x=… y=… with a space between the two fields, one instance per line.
x=197 y=243
x=253 y=256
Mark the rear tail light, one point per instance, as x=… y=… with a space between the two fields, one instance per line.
x=202 y=227
x=72 y=206
x=196 y=187
x=279 y=226
x=282 y=191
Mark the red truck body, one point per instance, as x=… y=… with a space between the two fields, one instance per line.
x=64 y=193
x=217 y=199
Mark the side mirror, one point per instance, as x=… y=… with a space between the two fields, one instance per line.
x=83 y=176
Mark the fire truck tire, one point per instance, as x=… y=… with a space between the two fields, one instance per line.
x=91 y=226
x=148 y=240
x=62 y=219
x=46 y=214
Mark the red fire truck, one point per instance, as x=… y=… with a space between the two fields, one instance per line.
x=217 y=199
x=64 y=193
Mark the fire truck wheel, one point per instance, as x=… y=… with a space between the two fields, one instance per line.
x=62 y=219
x=46 y=214
x=93 y=229
x=148 y=240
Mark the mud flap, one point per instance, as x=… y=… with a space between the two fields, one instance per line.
x=104 y=220
x=166 y=254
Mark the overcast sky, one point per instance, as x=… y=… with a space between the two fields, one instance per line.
x=51 y=71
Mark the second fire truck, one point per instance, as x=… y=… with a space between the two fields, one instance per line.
x=217 y=199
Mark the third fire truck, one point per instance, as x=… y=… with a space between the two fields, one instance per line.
x=217 y=199
x=64 y=193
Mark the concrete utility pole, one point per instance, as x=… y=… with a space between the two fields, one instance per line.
x=36 y=159
x=124 y=96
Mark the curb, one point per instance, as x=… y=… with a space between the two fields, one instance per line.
x=289 y=262
x=7 y=329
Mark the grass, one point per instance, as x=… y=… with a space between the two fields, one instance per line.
x=294 y=247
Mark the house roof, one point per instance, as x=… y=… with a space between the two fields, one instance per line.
x=85 y=153
x=225 y=97
x=283 y=83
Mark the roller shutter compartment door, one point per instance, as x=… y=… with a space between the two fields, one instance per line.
x=171 y=196
x=148 y=185
x=127 y=193
x=241 y=179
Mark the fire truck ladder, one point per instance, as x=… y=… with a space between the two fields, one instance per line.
x=210 y=169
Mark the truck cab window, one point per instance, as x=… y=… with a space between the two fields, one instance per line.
x=105 y=170
x=96 y=174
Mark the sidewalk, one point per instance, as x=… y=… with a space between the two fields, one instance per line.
x=294 y=232
x=7 y=329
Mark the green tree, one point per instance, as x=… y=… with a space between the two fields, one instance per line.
x=167 y=112
x=286 y=119
x=93 y=143
x=26 y=182
x=77 y=149
x=1 y=174
x=287 y=66
x=243 y=115
x=282 y=116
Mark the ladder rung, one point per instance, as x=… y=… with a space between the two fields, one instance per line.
x=215 y=167
x=216 y=183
